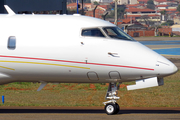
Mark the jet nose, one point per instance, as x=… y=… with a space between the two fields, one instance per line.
x=165 y=67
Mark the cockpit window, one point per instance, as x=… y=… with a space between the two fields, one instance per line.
x=11 y=42
x=117 y=33
x=94 y=32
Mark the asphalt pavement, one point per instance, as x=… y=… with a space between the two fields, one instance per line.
x=87 y=113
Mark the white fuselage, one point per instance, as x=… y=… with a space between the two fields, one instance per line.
x=52 y=49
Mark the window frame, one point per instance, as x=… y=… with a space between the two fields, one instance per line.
x=102 y=32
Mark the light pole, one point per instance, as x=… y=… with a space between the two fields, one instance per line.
x=115 y=18
x=77 y=7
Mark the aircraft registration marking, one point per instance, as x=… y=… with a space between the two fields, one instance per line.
x=73 y=62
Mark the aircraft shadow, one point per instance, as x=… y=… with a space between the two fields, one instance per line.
x=90 y=111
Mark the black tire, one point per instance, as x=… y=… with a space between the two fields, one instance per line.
x=117 y=108
x=110 y=108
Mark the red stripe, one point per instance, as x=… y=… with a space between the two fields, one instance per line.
x=76 y=62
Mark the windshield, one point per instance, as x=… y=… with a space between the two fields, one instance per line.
x=117 y=33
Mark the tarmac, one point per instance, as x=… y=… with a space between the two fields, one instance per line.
x=155 y=38
x=87 y=113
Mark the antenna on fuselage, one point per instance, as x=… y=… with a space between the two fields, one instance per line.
x=9 y=10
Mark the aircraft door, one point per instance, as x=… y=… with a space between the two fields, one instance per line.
x=93 y=76
x=114 y=75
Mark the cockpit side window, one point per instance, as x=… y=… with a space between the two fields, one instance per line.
x=12 y=42
x=117 y=33
x=94 y=32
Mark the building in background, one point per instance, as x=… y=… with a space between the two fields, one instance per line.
x=121 y=2
x=132 y=1
x=127 y=2
x=177 y=20
x=102 y=1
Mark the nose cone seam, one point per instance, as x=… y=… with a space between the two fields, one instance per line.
x=163 y=63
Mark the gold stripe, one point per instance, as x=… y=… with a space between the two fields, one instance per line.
x=45 y=64
x=7 y=68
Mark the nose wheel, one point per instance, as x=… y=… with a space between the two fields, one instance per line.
x=111 y=107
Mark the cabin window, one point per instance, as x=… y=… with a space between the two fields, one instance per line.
x=94 y=32
x=117 y=33
x=12 y=42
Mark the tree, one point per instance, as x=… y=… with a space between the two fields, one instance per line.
x=145 y=19
x=178 y=8
x=96 y=3
x=121 y=10
x=87 y=1
x=168 y=23
x=84 y=1
x=150 y=4
x=163 y=12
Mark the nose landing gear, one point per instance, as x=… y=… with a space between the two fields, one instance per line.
x=111 y=107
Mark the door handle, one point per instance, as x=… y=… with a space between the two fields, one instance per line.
x=113 y=54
